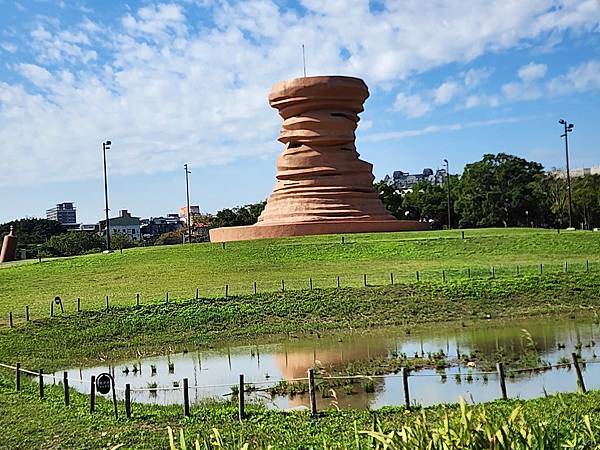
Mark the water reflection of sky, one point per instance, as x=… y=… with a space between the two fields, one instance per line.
x=291 y=359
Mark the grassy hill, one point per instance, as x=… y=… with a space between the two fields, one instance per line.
x=181 y=269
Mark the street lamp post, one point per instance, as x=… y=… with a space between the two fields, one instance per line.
x=187 y=193
x=106 y=146
x=568 y=129
x=448 y=185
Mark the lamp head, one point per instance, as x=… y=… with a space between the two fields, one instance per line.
x=446 y=161
x=570 y=127
x=562 y=121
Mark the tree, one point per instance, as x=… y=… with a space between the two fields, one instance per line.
x=239 y=216
x=73 y=243
x=32 y=231
x=391 y=197
x=498 y=191
x=121 y=240
x=427 y=201
x=172 y=237
x=586 y=200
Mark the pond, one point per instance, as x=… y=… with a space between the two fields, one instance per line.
x=463 y=354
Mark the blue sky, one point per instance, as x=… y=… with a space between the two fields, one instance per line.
x=187 y=82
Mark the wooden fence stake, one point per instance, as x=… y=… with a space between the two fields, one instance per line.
x=78 y=305
x=518 y=270
x=128 y=401
x=462 y=234
x=469 y=272
x=405 y=386
x=107 y=302
x=10 y=319
x=254 y=287
x=167 y=297
x=282 y=286
x=338 y=281
x=392 y=278
x=566 y=266
x=443 y=275
x=417 y=275
x=342 y=239
x=312 y=392
x=41 y=382
x=541 y=269
x=92 y=394
x=580 y=383
x=66 y=388
x=27 y=313
x=197 y=296
x=137 y=299
x=226 y=290
x=310 y=283
x=186 y=398
x=18 y=377
x=241 y=400
x=587 y=265
x=52 y=309
x=365 y=279
x=493 y=272
x=502 y=380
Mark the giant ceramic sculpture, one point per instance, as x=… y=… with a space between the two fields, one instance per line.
x=322 y=185
x=9 y=247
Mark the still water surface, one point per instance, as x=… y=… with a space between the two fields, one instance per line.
x=290 y=358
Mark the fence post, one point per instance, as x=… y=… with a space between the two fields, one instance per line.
x=338 y=281
x=365 y=279
x=493 y=272
x=462 y=234
x=27 y=313
x=197 y=294
x=66 y=388
x=417 y=275
x=443 y=275
x=92 y=394
x=186 y=398
x=226 y=290
x=392 y=278
x=107 y=302
x=580 y=383
x=282 y=286
x=469 y=272
x=41 y=382
x=167 y=297
x=78 y=305
x=342 y=239
x=500 y=370
x=312 y=392
x=52 y=309
x=254 y=287
x=566 y=266
x=405 y=386
x=310 y=283
x=587 y=265
x=541 y=269
x=241 y=400
x=128 y=401
x=10 y=319
x=518 y=270
x=137 y=299
x=18 y=377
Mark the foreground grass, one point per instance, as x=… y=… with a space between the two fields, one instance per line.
x=80 y=339
x=209 y=267
x=28 y=422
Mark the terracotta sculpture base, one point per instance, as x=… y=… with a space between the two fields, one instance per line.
x=259 y=231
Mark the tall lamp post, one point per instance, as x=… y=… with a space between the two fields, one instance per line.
x=187 y=193
x=448 y=185
x=568 y=129
x=106 y=146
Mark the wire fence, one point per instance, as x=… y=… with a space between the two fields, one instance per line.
x=68 y=304
x=311 y=381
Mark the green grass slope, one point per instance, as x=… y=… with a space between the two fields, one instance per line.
x=209 y=267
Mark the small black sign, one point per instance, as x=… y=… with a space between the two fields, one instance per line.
x=103 y=383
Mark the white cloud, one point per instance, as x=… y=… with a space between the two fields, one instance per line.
x=432 y=129
x=585 y=77
x=411 y=105
x=167 y=89
x=446 y=92
x=9 y=47
x=475 y=76
x=532 y=71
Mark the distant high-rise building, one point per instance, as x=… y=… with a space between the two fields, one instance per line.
x=65 y=213
x=404 y=180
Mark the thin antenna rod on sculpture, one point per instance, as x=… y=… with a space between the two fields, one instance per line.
x=303 y=61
